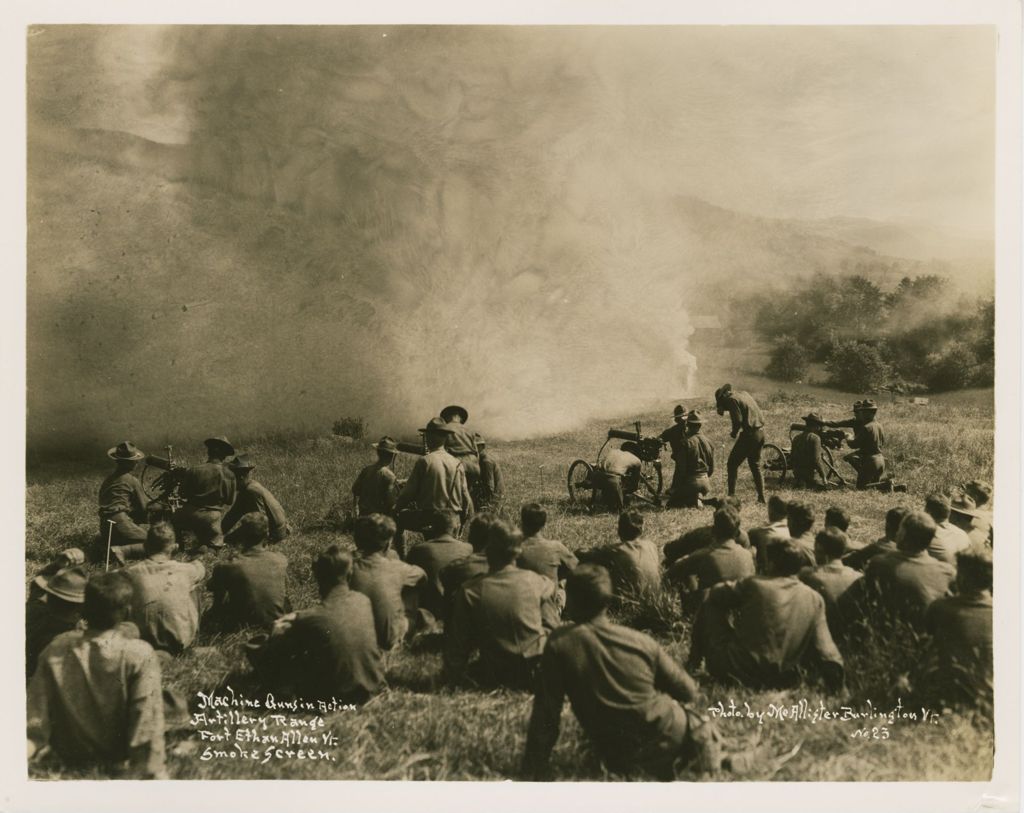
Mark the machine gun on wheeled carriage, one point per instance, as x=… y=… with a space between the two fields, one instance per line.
x=649 y=484
x=161 y=482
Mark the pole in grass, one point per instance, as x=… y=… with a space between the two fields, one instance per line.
x=110 y=535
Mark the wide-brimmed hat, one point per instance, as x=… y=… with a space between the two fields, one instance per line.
x=813 y=417
x=437 y=425
x=241 y=463
x=125 y=450
x=679 y=411
x=67 y=584
x=964 y=504
x=220 y=442
x=694 y=418
x=867 y=405
x=724 y=390
x=386 y=444
x=979 y=490
x=454 y=409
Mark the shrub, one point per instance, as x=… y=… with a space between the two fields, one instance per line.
x=952 y=368
x=857 y=367
x=354 y=428
x=789 y=360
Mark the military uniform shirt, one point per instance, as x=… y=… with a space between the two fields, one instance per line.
x=548 y=557
x=253 y=587
x=744 y=411
x=209 y=485
x=698 y=457
x=635 y=565
x=433 y=555
x=459 y=441
x=624 y=690
x=910 y=582
x=707 y=567
x=948 y=542
x=165 y=606
x=375 y=489
x=255 y=498
x=96 y=697
x=123 y=493
x=675 y=437
x=438 y=482
x=386 y=583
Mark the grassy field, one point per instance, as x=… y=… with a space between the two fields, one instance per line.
x=417 y=730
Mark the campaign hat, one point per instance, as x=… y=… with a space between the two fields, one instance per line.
x=125 y=450
x=437 y=425
x=220 y=442
x=386 y=444
x=454 y=409
x=67 y=584
x=693 y=417
x=241 y=463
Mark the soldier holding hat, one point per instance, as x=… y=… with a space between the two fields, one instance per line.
x=254 y=497
x=208 y=490
x=376 y=486
x=748 y=430
x=806 y=457
x=694 y=466
x=437 y=483
x=867 y=443
x=123 y=502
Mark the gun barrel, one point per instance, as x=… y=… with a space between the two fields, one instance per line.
x=623 y=434
x=158 y=462
x=411 y=448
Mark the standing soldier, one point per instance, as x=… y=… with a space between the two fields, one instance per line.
x=492 y=484
x=748 y=430
x=208 y=490
x=461 y=443
x=693 y=468
x=375 y=488
x=437 y=482
x=254 y=497
x=123 y=502
x=675 y=437
x=867 y=443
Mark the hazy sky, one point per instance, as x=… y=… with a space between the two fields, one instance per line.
x=893 y=123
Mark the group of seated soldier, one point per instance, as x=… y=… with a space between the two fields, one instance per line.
x=767 y=607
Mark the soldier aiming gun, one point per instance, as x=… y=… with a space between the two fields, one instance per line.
x=868 y=439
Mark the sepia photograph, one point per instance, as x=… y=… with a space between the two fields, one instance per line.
x=564 y=403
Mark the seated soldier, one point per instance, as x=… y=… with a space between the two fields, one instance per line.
x=859 y=558
x=839 y=518
x=776 y=529
x=249 y=589
x=123 y=506
x=492 y=483
x=57 y=609
x=704 y=536
x=948 y=540
x=981 y=493
x=460 y=443
x=548 y=557
x=326 y=651
x=96 y=696
x=390 y=584
x=777 y=627
x=831 y=578
x=460 y=571
x=507 y=614
x=376 y=488
x=254 y=497
x=723 y=561
x=901 y=585
x=964 y=514
x=165 y=605
x=637 y=707
x=616 y=476
x=958 y=668
x=634 y=563
x=800 y=521
x=806 y=456
x=440 y=549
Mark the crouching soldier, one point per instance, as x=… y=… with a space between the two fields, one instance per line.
x=122 y=506
x=254 y=497
x=867 y=442
x=208 y=490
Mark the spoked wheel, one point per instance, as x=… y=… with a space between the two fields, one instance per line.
x=650 y=484
x=832 y=476
x=580 y=482
x=773 y=462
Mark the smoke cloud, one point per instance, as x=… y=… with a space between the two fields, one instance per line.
x=251 y=229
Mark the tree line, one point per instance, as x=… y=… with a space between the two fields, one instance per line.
x=922 y=336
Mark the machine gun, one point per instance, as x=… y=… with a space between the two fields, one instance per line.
x=650 y=447
x=162 y=488
x=830 y=438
